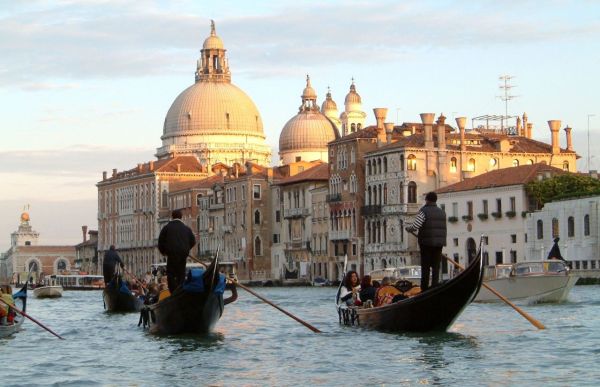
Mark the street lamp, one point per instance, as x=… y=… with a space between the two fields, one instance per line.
x=588 y=141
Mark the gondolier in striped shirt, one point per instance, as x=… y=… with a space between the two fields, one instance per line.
x=430 y=224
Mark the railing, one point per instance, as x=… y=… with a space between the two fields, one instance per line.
x=371 y=210
x=301 y=245
x=334 y=197
x=337 y=235
x=383 y=247
x=295 y=212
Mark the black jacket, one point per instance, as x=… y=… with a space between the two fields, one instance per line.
x=111 y=257
x=176 y=239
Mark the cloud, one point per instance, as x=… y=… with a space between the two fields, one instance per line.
x=73 y=40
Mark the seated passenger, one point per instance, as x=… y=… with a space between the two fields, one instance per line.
x=367 y=291
x=349 y=289
x=7 y=301
x=386 y=293
x=164 y=291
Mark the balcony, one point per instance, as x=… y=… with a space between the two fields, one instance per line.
x=339 y=235
x=217 y=206
x=334 y=197
x=297 y=245
x=371 y=210
x=295 y=212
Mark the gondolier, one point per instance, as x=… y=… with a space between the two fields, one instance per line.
x=175 y=241
x=111 y=258
x=430 y=224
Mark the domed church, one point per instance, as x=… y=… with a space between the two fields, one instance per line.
x=213 y=119
x=305 y=136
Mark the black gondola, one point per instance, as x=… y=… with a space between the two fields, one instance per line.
x=191 y=308
x=9 y=329
x=433 y=310
x=118 y=298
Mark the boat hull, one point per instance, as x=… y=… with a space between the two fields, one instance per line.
x=48 y=292
x=8 y=330
x=185 y=312
x=433 y=310
x=117 y=301
x=534 y=289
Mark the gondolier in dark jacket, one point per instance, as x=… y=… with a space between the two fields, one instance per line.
x=430 y=224
x=111 y=258
x=175 y=241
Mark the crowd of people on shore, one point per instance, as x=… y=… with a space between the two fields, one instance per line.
x=370 y=293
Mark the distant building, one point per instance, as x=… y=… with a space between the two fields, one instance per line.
x=26 y=258
x=87 y=252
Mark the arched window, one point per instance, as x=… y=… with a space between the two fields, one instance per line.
x=471 y=165
x=379 y=166
x=61 y=265
x=257 y=217
x=555 y=228
x=353 y=127
x=165 y=198
x=515 y=163
x=369 y=196
x=565 y=166
x=384 y=263
x=33 y=266
x=385 y=165
x=540 y=229
x=530 y=162
x=411 y=163
x=586 y=225
x=198 y=199
x=369 y=167
x=257 y=246
x=453 y=165
x=412 y=192
x=402 y=162
x=493 y=162
x=571 y=227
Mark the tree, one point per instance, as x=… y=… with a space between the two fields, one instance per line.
x=562 y=187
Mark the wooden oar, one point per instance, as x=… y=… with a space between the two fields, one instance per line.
x=32 y=319
x=312 y=328
x=270 y=303
x=529 y=318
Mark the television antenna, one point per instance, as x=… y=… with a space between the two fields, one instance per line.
x=506 y=87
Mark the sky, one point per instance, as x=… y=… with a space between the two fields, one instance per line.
x=85 y=84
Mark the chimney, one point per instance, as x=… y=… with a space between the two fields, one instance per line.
x=139 y=167
x=569 y=138
x=389 y=128
x=427 y=120
x=380 y=114
x=554 y=128
x=151 y=165
x=84 y=230
x=525 y=125
x=114 y=172
x=529 y=130
x=441 y=132
x=519 y=127
x=460 y=122
x=104 y=175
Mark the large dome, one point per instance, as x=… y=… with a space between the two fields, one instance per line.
x=212 y=108
x=307 y=131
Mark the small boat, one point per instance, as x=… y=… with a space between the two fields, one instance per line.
x=49 y=289
x=432 y=310
x=119 y=298
x=194 y=307
x=532 y=282
x=20 y=298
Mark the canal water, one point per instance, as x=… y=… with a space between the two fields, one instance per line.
x=255 y=344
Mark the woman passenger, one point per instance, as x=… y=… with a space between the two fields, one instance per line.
x=350 y=288
x=367 y=290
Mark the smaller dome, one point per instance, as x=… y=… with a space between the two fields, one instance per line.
x=329 y=103
x=352 y=96
x=309 y=93
x=307 y=131
x=213 y=41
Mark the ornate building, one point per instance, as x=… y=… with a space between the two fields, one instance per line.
x=305 y=136
x=353 y=117
x=213 y=119
x=26 y=258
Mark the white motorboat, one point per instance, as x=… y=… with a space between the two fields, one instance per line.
x=52 y=291
x=533 y=282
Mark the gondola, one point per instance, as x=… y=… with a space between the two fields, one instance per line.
x=433 y=310
x=118 y=298
x=194 y=307
x=7 y=330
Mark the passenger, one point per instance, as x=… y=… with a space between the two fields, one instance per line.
x=367 y=291
x=164 y=291
x=386 y=293
x=153 y=294
x=350 y=289
x=7 y=301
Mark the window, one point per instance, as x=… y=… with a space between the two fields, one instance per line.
x=565 y=166
x=257 y=246
x=586 y=225
x=402 y=162
x=62 y=265
x=499 y=206
x=471 y=165
x=257 y=217
x=571 y=227
x=470 y=209
x=513 y=238
x=498 y=257
x=486 y=240
x=354 y=251
x=198 y=199
x=455 y=240
x=455 y=209
x=256 y=191
x=513 y=205
x=275 y=238
x=485 y=207
x=165 y=198
x=555 y=228
x=243 y=190
x=530 y=162
x=493 y=162
x=515 y=163
x=298 y=158
x=453 y=166
x=540 y=229
x=412 y=192
x=277 y=216
x=513 y=256
x=411 y=163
